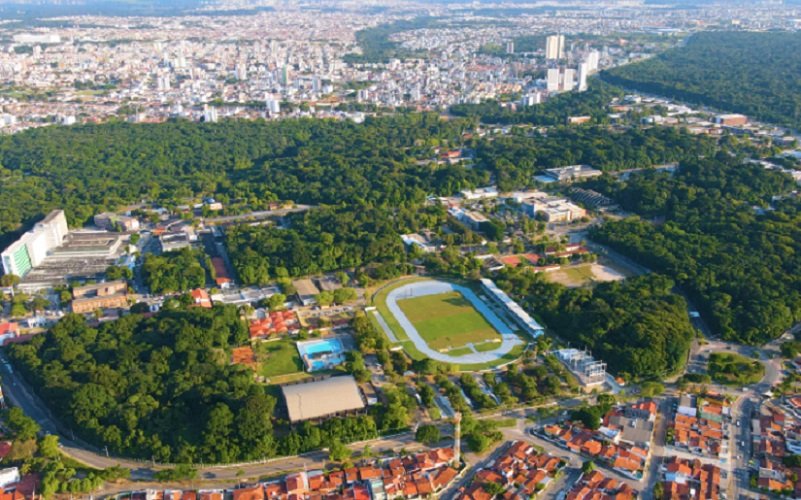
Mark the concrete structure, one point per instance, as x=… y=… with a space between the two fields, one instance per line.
x=35 y=245
x=583 y=72
x=88 y=244
x=114 y=222
x=521 y=317
x=418 y=241
x=323 y=398
x=9 y=476
x=307 y=291
x=469 y=218
x=555 y=47
x=731 y=120
x=174 y=241
x=560 y=79
x=560 y=210
x=589 y=371
x=571 y=173
x=89 y=298
x=484 y=193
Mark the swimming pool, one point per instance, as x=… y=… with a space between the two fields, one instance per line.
x=322 y=354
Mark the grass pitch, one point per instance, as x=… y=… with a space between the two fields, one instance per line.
x=278 y=358
x=447 y=320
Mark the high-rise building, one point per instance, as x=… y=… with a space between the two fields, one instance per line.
x=561 y=79
x=568 y=80
x=286 y=77
x=273 y=106
x=593 y=61
x=531 y=99
x=553 y=80
x=210 y=114
x=555 y=47
x=241 y=72
x=31 y=249
x=163 y=83
x=583 y=70
x=510 y=47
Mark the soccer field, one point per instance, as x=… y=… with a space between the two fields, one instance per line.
x=447 y=320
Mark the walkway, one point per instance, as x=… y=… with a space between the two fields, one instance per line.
x=431 y=287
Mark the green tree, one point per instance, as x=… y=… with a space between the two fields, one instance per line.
x=338 y=452
x=9 y=280
x=428 y=434
x=23 y=426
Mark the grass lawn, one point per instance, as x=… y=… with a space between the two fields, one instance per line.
x=379 y=296
x=486 y=346
x=447 y=320
x=734 y=369
x=278 y=358
x=460 y=351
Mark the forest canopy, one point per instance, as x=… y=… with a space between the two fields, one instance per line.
x=748 y=72
x=639 y=327
x=715 y=229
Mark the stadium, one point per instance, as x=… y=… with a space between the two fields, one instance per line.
x=451 y=323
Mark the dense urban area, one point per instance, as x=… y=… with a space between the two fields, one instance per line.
x=370 y=250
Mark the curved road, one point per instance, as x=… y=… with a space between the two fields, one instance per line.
x=20 y=394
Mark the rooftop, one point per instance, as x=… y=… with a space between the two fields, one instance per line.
x=322 y=398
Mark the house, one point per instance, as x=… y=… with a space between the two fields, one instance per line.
x=8 y=330
x=221 y=276
x=200 y=298
x=275 y=323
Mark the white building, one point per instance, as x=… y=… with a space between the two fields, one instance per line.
x=484 y=193
x=583 y=70
x=522 y=318
x=32 y=248
x=561 y=79
x=9 y=476
x=593 y=61
x=552 y=82
x=555 y=47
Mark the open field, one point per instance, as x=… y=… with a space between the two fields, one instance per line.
x=447 y=320
x=486 y=348
x=278 y=358
x=586 y=274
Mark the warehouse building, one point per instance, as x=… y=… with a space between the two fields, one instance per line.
x=323 y=398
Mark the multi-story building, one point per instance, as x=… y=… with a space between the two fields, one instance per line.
x=90 y=298
x=555 y=47
x=32 y=248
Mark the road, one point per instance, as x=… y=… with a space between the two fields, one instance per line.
x=261 y=214
x=19 y=394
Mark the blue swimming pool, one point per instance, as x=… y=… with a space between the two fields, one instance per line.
x=321 y=354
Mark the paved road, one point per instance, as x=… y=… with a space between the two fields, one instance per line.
x=262 y=214
x=19 y=394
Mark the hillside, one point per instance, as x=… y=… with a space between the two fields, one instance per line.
x=758 y=74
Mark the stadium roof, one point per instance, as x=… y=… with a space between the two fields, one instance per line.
x=513 y=306
x=320 y=399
